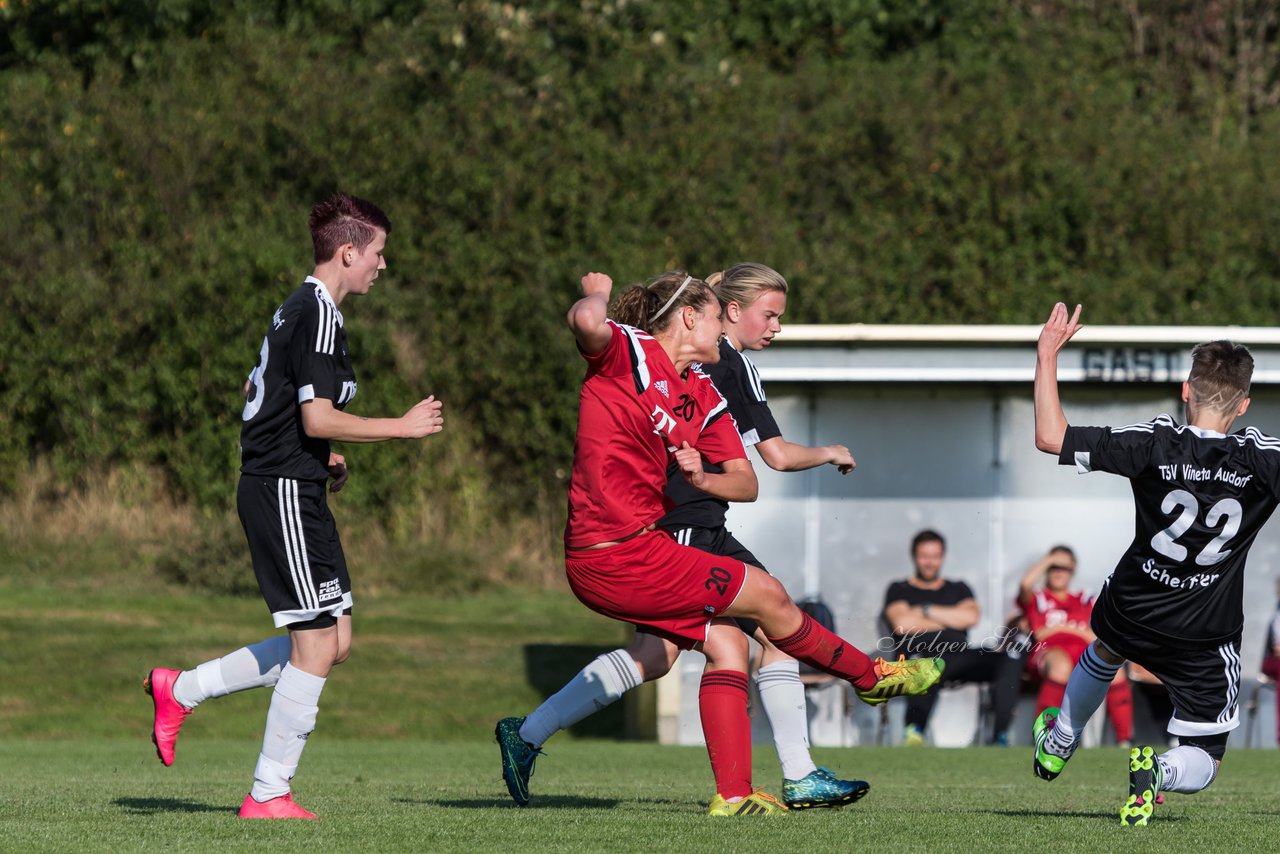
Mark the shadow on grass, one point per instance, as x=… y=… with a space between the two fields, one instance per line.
x=150 y=806
x=540 y=802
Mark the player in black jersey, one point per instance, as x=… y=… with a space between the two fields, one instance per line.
x=294 y=402
x=1174 y=602
x=753 y=298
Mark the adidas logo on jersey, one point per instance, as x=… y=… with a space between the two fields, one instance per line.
x=277 y=319
x=661 y=386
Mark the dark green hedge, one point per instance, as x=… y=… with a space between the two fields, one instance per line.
x=967 y=161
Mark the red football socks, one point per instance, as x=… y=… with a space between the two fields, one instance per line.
x=820 y=648
x=1050 y=694
x=722 y=704
x=1120 y=709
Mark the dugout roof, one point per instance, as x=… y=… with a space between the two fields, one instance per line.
x=860 y=352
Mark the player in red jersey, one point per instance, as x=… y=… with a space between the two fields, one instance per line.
x=1059 y=623
x=753 y=298
x=643 y=404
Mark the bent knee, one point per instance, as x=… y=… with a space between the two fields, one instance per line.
x=1057 y=668
x=653 y=656
x=1108 y=657
x=1215 y=745
x=770 y=592
x=652 y=666
x=725 y=647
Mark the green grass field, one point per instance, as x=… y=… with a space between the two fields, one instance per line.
x=403 y=758
x=112 y=795
x=421 y=667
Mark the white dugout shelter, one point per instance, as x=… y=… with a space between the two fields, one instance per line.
x=940 y=422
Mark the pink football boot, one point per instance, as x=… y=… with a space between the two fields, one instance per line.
x=170 y=714
x=281 y=807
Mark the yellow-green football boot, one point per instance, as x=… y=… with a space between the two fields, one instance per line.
x=1145 y=778
x=756 y=803
x=902 y=677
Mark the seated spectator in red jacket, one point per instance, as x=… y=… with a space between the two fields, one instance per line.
x=1059 y=623
x=1271 y=656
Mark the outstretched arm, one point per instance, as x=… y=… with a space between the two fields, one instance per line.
x=781 y=455
x=322 y=420
x=1051 y=421
x=588 y=316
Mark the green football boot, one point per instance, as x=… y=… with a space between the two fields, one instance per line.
x=821 y=788
x=518 y=757
x=1047 y=765
x=1145 y=778
x=897 y=678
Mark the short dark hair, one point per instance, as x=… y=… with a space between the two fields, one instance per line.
x=927 y=536
x=1220 y=375
x=342 y=219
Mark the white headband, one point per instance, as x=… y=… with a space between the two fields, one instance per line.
x=679 y=290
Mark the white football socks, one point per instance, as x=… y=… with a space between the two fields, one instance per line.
x=782 y=695
x=597 y=685
x=290 y=720
x=1086 y=689
x=255 y=666
x=1187 y=769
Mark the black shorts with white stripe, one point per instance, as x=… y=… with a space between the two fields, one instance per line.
x=297 y=556
x=1204 y=684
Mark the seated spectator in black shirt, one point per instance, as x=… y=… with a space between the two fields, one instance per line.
x=931 y=616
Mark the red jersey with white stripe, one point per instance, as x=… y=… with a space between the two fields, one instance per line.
x=634 y=411
x=1048 y=610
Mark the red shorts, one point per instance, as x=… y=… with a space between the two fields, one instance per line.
x=1073 y=645
x=653 y=581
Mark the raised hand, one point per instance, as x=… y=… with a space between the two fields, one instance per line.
x=588 y=316
x=1051 y=421
x=1058 y=329
x=597 y=284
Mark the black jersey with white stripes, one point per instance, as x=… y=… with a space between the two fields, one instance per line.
x=303 y=357
x=739 y=382
x=1200 y=499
